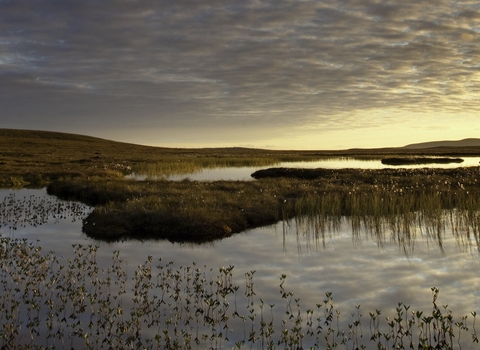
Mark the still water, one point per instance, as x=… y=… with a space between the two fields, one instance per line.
x=244 y=173
x=358 y=271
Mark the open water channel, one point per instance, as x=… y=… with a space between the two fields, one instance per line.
x=357 y=270
x=244 y=173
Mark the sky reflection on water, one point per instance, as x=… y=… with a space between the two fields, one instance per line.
x=357 y=271
x=244 y=173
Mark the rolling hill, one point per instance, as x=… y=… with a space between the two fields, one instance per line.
x=460 y=143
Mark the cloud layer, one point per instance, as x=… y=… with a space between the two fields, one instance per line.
x=226 y=64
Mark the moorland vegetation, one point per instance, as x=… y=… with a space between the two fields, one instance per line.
x=52 y=303
x=94 y=171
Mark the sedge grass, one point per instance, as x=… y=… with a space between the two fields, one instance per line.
x=17 y=211
x=37 y=158
x=171 y=167
x=201 y=211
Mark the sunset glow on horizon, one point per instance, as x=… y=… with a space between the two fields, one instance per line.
x=266 y=74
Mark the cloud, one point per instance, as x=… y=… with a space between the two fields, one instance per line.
x=227 y=63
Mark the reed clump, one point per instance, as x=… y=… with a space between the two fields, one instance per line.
x=398 y=217
x=50 y=302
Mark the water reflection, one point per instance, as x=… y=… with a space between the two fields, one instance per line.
x=406 y=231
x=244 y=173
x=357 y=269
x=369 y=163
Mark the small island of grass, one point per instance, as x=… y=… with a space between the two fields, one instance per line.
x=420 y=160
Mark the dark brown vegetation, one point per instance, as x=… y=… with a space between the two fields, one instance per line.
x=201 y=211
x=179 y=211
x=93 y=171
x=420 y=160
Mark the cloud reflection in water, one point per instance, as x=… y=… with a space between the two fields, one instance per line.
x=357 y=271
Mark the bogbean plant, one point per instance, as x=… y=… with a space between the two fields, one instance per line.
x=47 y=302
x=33 y=210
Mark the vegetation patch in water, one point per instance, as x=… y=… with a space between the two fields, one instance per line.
x=203 y=211
x=16 y=211
x=420 y=160
x=50 y=302
x=172 y=167
x=178 y=211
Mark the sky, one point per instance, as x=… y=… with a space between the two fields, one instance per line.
x=280 y=74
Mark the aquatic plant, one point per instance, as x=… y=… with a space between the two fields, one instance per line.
x=36 y=210
x=48 y=302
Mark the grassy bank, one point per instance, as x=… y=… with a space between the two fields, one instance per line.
x=202 y=211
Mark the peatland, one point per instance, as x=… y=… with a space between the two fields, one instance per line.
x=95 y=171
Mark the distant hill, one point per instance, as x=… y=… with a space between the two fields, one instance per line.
x=433 y=144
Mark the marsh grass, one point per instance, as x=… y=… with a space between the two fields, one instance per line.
x=392 y=216
x=50 y=302
x=38 y=158
x=400 y=201
x=191 y=165
x=181 y=211
x=169 y=168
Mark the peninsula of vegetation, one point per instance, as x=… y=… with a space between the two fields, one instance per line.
x=95 y=171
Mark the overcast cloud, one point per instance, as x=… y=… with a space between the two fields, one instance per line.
x=121 y=68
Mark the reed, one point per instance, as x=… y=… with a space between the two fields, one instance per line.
x=48 y=302
x=404 y=214
x=171 y=167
